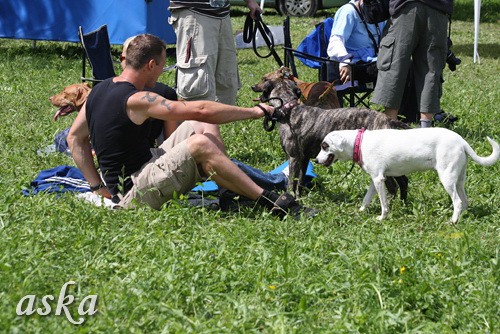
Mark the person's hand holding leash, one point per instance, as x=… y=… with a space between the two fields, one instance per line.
x=254 y=8
x=265 y=109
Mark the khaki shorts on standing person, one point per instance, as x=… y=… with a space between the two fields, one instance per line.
x=415 y=36
x=206 y=57
x=171 y=170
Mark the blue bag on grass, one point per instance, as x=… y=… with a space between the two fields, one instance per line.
x=59 y=179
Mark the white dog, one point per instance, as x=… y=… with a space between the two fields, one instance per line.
x=383 y=153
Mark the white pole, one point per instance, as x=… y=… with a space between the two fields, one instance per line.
x=477 y=14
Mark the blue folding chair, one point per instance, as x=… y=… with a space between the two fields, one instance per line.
x=97 y=50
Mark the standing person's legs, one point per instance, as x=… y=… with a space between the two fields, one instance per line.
x=394 y=59
x=206 y=65
x=429 y=61
x=197 y=52
x=227 y=78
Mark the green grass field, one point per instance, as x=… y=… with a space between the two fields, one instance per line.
x=187 y=269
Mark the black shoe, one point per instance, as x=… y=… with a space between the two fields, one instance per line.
x=287 y=205
x=445 y=118
x=230 y=201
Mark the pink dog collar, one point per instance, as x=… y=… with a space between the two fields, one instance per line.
x=356 y=156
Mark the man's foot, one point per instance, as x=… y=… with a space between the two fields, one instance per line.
x=287 y=205
x=445 y=118
x=230 y=201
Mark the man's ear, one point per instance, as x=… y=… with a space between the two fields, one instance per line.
x=151 y=63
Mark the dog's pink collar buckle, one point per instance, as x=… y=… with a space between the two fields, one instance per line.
x=356 y=156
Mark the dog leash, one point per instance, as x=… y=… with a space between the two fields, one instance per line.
x=345 y=176
x=278 y=114
x=250 y=32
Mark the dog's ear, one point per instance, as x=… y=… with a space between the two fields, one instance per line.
x=297 y=92
x=267 y=87
x=81 y=96
x=285 y=72
x=325 y=146
x=335 y=142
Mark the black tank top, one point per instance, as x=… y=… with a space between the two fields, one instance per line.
x=121 y=146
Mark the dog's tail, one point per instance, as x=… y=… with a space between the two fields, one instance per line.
x=485 y=161
x=397 y=124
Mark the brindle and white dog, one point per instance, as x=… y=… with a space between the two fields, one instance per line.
x=302 y=127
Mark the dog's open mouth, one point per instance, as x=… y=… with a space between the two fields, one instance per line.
x=63 y=111
x=329 y=161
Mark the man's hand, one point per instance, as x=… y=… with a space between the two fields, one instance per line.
x=262 y=106
x=254 y=8
x=104 y=192
x=345 y=73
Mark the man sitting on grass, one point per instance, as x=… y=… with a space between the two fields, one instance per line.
x=114 y=117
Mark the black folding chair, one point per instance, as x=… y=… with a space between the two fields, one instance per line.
x=97 y=50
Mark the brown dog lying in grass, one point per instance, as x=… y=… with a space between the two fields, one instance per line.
x=321 y=94
x=70 y=99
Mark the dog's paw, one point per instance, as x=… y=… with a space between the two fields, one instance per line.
x=362 y=208
x=381 y=217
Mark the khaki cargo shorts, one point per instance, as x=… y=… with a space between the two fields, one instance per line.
x=207 y=64
x=171 y=170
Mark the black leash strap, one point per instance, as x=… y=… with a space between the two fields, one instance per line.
x=288 y=54
x=345 y=176
x=270 y=120
x=250 y=32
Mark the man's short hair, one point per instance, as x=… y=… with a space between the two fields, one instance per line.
x=140 y=49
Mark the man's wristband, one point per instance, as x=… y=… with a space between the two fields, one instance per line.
x=97 y=187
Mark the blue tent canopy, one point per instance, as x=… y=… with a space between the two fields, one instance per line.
x=58 y=20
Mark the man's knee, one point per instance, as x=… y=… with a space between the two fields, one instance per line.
x=201 y=146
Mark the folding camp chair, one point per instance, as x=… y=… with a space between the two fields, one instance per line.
x=97 y=50
x=312 y=53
